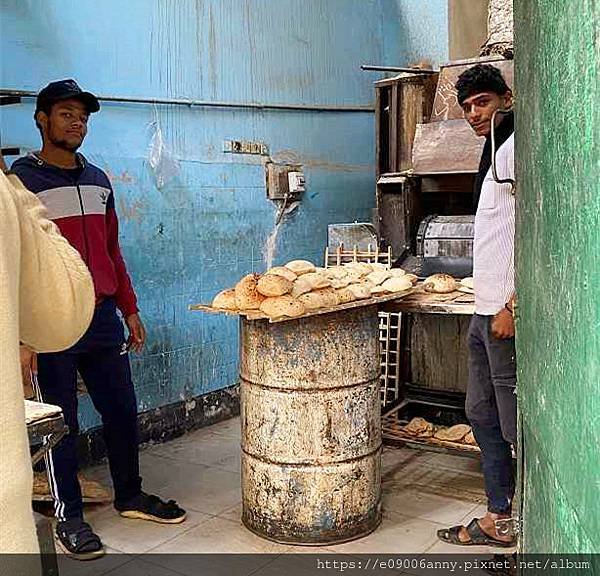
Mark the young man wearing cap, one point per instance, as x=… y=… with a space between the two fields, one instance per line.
x=80 y=200
x=491 y=394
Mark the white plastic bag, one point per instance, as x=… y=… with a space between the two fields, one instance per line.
x=163 y=164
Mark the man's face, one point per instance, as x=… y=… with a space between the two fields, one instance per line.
x=66 y=125
x=479 y=108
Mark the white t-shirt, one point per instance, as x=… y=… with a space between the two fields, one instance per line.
x=494 y=244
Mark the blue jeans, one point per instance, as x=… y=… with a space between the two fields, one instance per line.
x=492 y=409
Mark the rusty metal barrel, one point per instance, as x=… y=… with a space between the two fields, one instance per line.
x=311 y=428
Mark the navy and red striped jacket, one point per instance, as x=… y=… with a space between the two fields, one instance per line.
x=84 y=210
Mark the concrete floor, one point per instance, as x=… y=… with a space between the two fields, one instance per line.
x=422 y=492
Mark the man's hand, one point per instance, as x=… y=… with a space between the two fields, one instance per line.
x=137 y=333
x=503 y=325
x=28 y=365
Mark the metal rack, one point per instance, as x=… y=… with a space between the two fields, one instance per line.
x=390 y=326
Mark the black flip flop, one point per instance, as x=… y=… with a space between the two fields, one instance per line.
x=477 y=537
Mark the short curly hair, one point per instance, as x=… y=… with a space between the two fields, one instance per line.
x=480 y=78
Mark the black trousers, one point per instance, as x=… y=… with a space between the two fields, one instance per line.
x=101 y=359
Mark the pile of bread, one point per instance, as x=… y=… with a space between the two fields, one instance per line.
x=421 y=428
x=299 y=287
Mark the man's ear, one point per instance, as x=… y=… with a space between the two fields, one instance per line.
x=41 y=121
x=508 y=100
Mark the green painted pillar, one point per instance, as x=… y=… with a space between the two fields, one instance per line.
x=557 y=80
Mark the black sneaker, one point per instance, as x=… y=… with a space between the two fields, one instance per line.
x=149 y=507
x=78 y=541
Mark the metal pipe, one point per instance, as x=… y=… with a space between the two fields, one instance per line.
x=213 y=104
x=396 y=69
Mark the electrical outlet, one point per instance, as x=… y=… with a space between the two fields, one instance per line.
x=245 y=147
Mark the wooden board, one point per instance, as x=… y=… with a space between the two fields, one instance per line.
x=439 y=357
x=446 y=147
x=257 y=315
x=421 y=302
x=398 y=211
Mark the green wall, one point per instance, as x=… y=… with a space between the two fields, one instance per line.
x=558 y=271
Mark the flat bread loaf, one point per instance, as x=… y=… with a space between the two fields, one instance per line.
x=440 y=284
x=300 y=267
x=398 y=284
x=420 y=427
x=282 y=271
x=470 y=439
x=273 y=285
x=378 y=277
x=317 y=280
x=312 y=301
x=453 y=434
x=247 y=296
x=324 y=298
x=353 y=276
x=301 y=286
x=361 y=267
x=339 y=282
x=336 y=272
x=345 y=296
x=360 y=291
x=378 y=266
x=412 y=277
x=328 y=295
x=282 y=306
x=467 y=283
x=395 y=272
x=225 y=300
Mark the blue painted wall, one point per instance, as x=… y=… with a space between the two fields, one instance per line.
x=208 y=226
x=415 y=30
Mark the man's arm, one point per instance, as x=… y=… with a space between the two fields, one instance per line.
x=503 y=324
x=125 y=296
x=56 y=292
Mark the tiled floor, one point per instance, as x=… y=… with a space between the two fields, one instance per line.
x=422 y=492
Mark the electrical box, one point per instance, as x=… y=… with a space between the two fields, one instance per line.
x=296 y=182
x=284 y=181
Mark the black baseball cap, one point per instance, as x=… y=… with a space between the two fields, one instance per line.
x=64 y=90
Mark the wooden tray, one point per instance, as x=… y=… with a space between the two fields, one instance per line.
x=257 y=315
x=419 y=301
x=393 y=430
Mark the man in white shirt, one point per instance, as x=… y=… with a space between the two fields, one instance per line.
x=491 y=395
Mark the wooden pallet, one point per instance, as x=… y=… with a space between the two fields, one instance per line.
x=257 y=315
